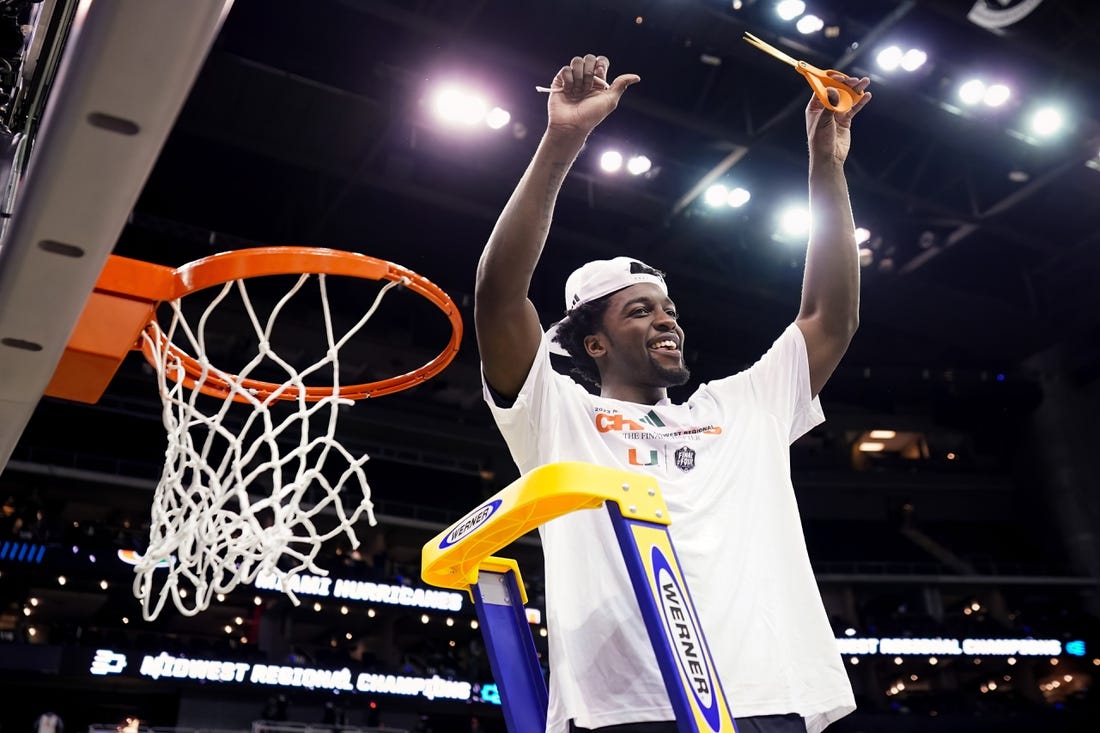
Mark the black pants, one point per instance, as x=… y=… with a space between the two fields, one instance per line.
x=792 y=723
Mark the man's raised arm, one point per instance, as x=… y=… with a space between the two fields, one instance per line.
x=507 y=325
x=830 y=288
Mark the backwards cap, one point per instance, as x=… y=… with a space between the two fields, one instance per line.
x=598 y=278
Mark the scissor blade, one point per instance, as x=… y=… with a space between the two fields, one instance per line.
x=768 y=48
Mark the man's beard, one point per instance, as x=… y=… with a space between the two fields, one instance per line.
x=671 y=376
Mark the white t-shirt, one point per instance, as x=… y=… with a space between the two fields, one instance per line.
x=723 y=464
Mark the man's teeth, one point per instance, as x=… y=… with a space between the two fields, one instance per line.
x=665 y=345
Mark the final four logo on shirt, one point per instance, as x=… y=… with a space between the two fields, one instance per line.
x=685 y=458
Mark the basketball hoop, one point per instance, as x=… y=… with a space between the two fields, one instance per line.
x=249 y=487
x=230 y=267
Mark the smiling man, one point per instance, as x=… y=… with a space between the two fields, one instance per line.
x=721 y=457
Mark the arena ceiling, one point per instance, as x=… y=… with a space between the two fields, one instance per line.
x=311 y=123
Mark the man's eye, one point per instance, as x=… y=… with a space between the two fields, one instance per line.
x=639 y=312
x=673 y=314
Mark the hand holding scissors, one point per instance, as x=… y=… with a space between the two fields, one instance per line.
x=820 y=80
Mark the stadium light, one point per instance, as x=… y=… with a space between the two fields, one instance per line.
x=497 y=118
x=638 y=164
x=913 y=59
x=809 y=24
x=716 y=195
x=996 y=95
x=611 y=161
x=458 y=106
x=862 y=235
x=893 y=57
x=738 y=197
x=972 y=91
x=871 y=447
x=889 y=58
x=794 y=221
x=1046 y=121
x=790 y=9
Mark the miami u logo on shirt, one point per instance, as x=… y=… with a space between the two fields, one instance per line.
x=637 y=457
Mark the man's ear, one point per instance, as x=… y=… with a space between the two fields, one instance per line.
x=594 y=346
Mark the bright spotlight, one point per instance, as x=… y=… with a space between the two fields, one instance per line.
x=638 y=164
x=794 y=221
x=458 y=106
x=1047 y=121
x=790 y=9
x=913 y=59
x=809 y=24
x=716 y=195
x=972 y=92
x=497 y=118
x=996 y=95
x=862 y=235
x=611 y=161
x=738 y=197
x=889 y=58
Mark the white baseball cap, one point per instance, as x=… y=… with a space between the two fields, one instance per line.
x=598 y=278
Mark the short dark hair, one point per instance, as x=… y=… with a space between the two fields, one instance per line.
x=579 y=323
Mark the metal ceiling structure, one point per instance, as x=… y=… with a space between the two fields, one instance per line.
x=311 y=125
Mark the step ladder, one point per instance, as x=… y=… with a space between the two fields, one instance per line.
x=462 y=557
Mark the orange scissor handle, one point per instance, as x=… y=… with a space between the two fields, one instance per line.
x=821 y=81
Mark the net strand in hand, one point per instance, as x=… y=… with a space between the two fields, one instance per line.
x=237 y=500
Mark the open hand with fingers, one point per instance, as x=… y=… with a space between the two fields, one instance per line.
x=581 y=95
x=829 y=132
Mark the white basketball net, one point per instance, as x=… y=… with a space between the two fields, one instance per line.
x=240 y=500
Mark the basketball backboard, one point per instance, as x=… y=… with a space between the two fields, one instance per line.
x=121 y=80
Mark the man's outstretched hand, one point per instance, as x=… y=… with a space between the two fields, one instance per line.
x=581 y=96
x=830 y=133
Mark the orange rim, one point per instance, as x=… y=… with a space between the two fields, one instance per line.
x=263 y=261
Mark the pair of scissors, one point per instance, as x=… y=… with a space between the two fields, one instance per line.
x=819 y=80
